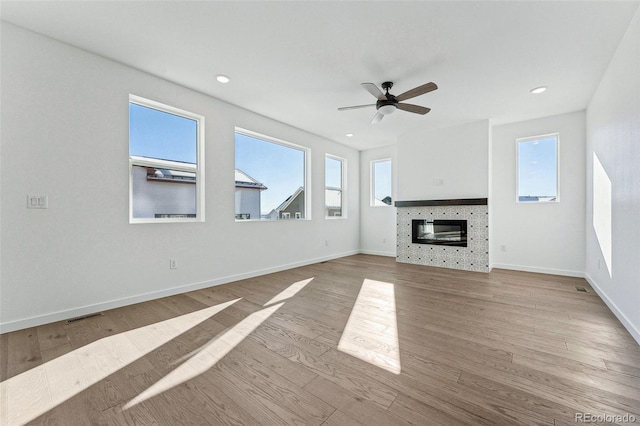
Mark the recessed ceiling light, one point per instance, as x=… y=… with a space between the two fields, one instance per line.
x=349 y=135
x=223 y=78
x=538 y=90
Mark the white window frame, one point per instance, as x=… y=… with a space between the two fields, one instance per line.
x=533 y=138
x=342 y=189
x=372 y=183
x=307 y=169
x=198 y=168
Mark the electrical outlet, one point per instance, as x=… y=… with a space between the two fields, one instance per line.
x=599 y=263
x=173 y=264
x=326 y=243
x=503 y=248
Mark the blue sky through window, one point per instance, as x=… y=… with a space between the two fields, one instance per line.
x=537 y=168
x=278 y=167
x=333 y=172
x=161 y=135
x=382 y=179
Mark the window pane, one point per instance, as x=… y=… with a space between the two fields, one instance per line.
x=158 y=134
x=538 y=169
x=333 y=172
x=162 y=193
x=381 y=176
x=333 y=203
x=269 y=178
x=163 y=154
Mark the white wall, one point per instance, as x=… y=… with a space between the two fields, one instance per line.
x=613 y=136
x=540 y=237
x=444 y=163
x=377 y=223
x=65 y=134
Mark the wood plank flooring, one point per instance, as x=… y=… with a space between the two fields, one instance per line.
x=357 y=340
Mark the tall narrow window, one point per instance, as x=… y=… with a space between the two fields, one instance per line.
x=166 y=163
x=270 y=178
x=537 y=169
x=333 y=181
x=381 y=183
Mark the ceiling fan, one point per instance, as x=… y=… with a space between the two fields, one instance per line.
x=388 y=103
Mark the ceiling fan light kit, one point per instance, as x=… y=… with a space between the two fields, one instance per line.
x=386 y=108
x=388 y=103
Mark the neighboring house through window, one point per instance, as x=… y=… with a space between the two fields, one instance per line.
x=276 y=172
x=294 y=204
x=248 y=191
x=166 y=152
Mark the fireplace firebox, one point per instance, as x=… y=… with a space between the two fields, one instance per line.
x=439 y=232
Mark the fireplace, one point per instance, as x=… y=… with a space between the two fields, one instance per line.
x=469 y=250
x=439 y=232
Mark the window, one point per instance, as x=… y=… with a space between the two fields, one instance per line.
x=166 y=163
x=333 y=191
x=381 y=183
x=537 y=169
x=270 y=178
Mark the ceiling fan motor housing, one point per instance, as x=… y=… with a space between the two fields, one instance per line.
x=388 y=105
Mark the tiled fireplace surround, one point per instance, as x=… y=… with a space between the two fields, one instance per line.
x=474 y=257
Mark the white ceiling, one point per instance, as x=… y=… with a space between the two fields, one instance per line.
x=297 y=62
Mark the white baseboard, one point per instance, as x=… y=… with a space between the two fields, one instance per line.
x=378 y=253
x=118 y=303
x=631 y=328
x=563 y=272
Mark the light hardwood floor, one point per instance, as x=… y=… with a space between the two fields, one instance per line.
x=357 y=340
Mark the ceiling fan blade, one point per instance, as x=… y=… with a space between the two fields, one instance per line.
x=376 y=118
x=416 y=91
x=417 y=109
x=355 y=107
x=374 y=90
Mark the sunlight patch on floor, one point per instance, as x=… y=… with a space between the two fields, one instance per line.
x=208 y=355
x=371 y=333
x=289 y=292
x=32 y=393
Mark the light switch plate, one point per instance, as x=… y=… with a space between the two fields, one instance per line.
x=37 y=201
